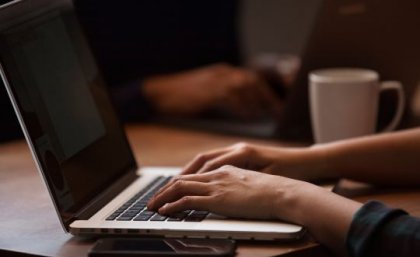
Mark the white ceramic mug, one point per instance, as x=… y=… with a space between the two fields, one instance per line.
x=344 y=103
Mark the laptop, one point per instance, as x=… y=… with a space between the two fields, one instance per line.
x=77 y=141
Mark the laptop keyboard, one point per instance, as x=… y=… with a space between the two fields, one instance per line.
x=135 y=209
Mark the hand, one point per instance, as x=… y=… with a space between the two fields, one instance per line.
x=220 y=86
x=228 y=191
x=234 y=192
x=298 y=163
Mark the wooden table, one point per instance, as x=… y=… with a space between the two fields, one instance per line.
x=30 y=227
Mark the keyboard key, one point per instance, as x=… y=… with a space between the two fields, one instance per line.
x=178 y=216
x=142 y=218
x=112 y=217
x=116 y=214
x=158 y=217
x=199 y=213
x=128 y=216
x=135 y=212
x=197 y=216
x=125 y=218
x=140 y=205
x=194 y=219
x=175 y=219
x=138 y=209
x=146 y=212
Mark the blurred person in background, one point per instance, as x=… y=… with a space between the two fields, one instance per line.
x=170 y=58
x=174 y=58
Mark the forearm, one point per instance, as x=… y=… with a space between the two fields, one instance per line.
x=326 y=215
x=388 y=159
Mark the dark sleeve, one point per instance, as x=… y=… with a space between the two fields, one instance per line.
x=130 y=102
x=377 y=230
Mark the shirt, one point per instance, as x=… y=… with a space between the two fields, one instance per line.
x=377 y=230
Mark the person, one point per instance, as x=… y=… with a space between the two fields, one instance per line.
x=225 y=181
x=156 y=54
x=168 y=58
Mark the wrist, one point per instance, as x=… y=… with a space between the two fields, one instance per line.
x=291 y=201
x=321 y=162
x=329 y=160
x=308 y=164
x=325 y=215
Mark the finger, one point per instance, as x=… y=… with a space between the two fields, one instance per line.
x=234 y=158
x=178 y=190
x=201 y=203
x=190 y=177
x=199 y=160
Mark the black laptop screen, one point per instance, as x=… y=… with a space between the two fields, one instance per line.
x=65 y=107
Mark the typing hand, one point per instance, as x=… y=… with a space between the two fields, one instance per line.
x=241 y=155
x=221 y=86
x=227 y=191
x=297 y=163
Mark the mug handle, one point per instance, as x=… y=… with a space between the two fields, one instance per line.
x=397 y=86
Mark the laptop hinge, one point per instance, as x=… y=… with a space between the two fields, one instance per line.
x=101 y=200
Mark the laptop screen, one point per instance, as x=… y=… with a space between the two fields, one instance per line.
x=76 y=136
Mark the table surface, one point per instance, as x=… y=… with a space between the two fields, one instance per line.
x=29 y=224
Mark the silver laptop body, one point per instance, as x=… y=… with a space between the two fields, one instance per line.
x=77 y=142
